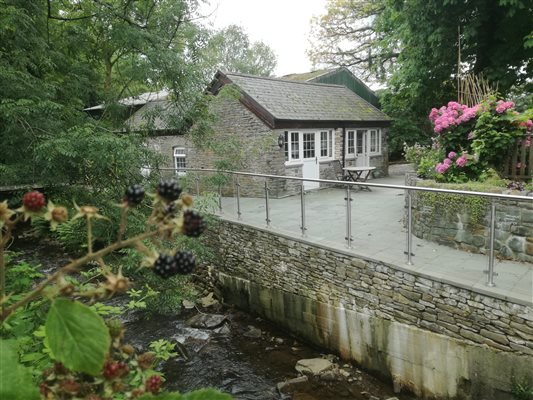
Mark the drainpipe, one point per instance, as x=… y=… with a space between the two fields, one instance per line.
x=343 y=149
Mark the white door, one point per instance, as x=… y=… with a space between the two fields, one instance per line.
x=311 y=167
x=361 y=148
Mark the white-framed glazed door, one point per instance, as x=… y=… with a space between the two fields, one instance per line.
x=361 y=148
x=310 y=167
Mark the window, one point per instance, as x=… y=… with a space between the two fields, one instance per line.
x=350 y=138
x=375 y=139
x=326 y=144
x=360 y=142
x=363 y=141
x=286 y=145
x=309 y=145
x=180 y=160
x=295 y=145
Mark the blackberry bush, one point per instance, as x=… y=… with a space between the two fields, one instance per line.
x=34 y=201
x=193 y=223
x=169 y=190
x=185 y=262
x=165 y=266
x=134 y=195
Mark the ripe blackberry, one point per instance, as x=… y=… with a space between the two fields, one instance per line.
x=165 y=266
x=153 y=384
x=134 y=195
x=193 y=223
x=185 y=262
x=170 y=209
x=169 y=190
x=34 y=201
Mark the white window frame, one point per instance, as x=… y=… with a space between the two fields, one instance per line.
x=368 y=133
x=299 y=134
x=179 y=153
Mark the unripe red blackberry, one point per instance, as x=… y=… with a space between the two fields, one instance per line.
x=185 y=262
x=169 y=190
x=134 y=195
x=193 y=223
x=153 y=384
x=34 y=201
x=113 y=369
x=165 y=266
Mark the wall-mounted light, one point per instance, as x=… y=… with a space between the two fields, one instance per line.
x=281 y=140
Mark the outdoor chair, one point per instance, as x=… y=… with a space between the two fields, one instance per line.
x=340 y=174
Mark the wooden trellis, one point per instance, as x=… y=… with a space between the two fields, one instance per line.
x=519 y=163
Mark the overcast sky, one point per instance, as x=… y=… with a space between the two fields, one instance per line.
x=284 y=25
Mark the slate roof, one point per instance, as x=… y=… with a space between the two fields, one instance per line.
x=304 y=101
x=155 y=114
x=138 y=100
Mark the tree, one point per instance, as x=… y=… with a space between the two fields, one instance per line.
x=413 y=47
x=230 y=49
x=58 y=57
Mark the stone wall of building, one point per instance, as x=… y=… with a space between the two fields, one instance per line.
x=411 y=328
x=455 y=227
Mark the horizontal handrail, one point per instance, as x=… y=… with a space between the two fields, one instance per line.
x=378 y=185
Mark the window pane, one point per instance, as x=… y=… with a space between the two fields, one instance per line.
x=360 y=143
x=351 y=147
x=330 y=138
x=286 y=145
x=373 y=141
x=324 y=145
x=309 y=145
x=295 y=145
x=180 y=158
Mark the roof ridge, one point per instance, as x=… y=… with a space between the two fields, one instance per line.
x=282 y=80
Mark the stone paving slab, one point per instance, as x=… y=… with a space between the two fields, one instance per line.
x=378 y=233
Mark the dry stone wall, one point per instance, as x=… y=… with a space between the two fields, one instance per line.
x=457 y=228
x=433 y=337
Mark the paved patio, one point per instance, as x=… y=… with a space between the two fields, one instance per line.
x=378 y=234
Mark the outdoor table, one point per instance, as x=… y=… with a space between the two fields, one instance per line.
x=359 y=174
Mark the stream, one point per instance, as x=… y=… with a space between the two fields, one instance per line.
x=243 y=355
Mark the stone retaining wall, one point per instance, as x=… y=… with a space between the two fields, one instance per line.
x=376 y=313
x=456 y=228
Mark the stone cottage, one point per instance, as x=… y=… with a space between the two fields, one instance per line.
x=272 y=126
x=284 y=127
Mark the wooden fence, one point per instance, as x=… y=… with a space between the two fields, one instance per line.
x=519 y=163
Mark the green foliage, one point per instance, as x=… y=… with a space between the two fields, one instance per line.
x=521 y=389
x=163 y=349
x=21 y=276
x=424 y=158
x=16 y=380
x=230 y=49
x=77 y=336
x=412 y=47
x=202 y=394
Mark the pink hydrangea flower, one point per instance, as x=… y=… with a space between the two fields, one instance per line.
x=451 y=115
x=461 y=161
x=447 y=161
x=441 y=168
x=502 y=106
x=452 y=154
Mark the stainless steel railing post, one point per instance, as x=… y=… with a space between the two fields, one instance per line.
x=303 y=228
x=238 y=185
x=348 y=199
x=197 y=180
x=220 y=198
x=490 y=273
x=409 y=228
x=267 y=205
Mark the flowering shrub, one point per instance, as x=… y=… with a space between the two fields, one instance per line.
x=483 y=135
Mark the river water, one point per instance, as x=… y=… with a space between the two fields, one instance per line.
x=245 y=356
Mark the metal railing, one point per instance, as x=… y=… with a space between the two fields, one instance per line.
x=349 y=187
